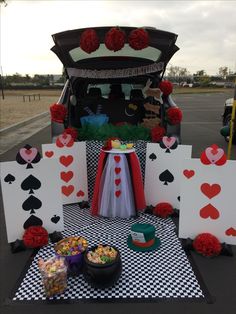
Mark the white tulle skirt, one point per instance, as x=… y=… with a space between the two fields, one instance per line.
x=116 y=197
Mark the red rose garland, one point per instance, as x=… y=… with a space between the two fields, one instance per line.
x=163 y=210
x=73 y=132
x=157 y=133
x=174 y=115
x=114 y=39
x=35 y=236
x=58 y=113
x=166 y=87
x=89 y=41
x=138 y=39
x=207 y=244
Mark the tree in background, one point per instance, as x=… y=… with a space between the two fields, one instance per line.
x=223 y=72
x=178 y=74
x=202 y=78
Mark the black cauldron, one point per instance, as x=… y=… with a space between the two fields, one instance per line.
x=102 y=275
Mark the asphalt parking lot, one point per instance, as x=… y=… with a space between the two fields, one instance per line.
x=200 y=128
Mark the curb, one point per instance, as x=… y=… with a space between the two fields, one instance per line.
x=23 y=123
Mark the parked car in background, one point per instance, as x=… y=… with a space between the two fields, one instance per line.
x=226 y=118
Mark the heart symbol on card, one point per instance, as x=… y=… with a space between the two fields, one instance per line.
x=67 y=190
x=214 y=153
x=117 y=182
x=67 y=176
x=168 y=141
x=117 y=158
x=49 y=154
x=28 y=154
x=80 y=193
x=188 y=173
x=66 y=160
x=231 y=232
x=210 y=190
x=64 y=140
x=117 y=170
x=118 y=193
x=209 y=211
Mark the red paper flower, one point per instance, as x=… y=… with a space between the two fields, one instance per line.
x=115 y=39
x=89 y=41
x=157 y=133
x=207 y=244
x=163 y=210
x=138 y=39
x=58 y=113
x=166 y=87
x=35 y=236
x=73 y=132
x=174 y=115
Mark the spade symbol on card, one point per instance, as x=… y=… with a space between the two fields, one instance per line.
x=28 y=155
x=152 y=157
x=32 y=221
x=166 y=177
x=32 y=203
x=55 y=219
x=30 y=183
x=9 y=178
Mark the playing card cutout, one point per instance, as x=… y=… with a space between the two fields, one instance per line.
x=209 y=211
x=49 y=154
x=166 y=177
x=30 y=183
x=55 y=219
x=66 y=160
x=31 y=204
x=67 y=190
x=231 y=232
x=152 y=157
x=80 y=193
x=118 y=193
x=213 y=155
x=168 y=143
x=9 y=178
x=210 y=190
x=28 y=155
x=64 y=140
x=67 y=176
x=32 y=221
x=188 y=173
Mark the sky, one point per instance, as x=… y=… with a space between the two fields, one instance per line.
x=206 y=30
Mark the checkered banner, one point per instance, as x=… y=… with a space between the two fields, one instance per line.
x=164 y=273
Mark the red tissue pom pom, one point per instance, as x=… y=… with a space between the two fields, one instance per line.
x=35 y=236
x=174 y=115
x=207 y=244
x=89 y=41
x=157 y=133
x=73 y=132
x=166 y=87
x=58 y=113
x=163 y=210
x=115 y=39
x=138 y=39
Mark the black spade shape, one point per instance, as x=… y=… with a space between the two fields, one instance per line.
x=32 y=221
x=32 y=203
x=152 y=156
x=166 y=177
x=55 y=219
x=178 y=198
x=9 y=178
x=21 y=161
x=30 y=183
x=174 y=146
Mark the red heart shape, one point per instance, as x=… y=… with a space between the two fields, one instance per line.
x=188 y=173
x=67 y=190
x=28 y=151
x=117 y=158
x=80 y=193
x=117 y=170
x=118 y=193
x=66 y=160
x=49 y=154
x=231 y=232
x=209 y=211
x=117 y=182
x=210 y=190
x=67 y=176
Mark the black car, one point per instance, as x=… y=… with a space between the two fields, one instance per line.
x=107 y=85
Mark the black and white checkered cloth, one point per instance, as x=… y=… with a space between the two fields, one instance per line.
x=164 y=273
